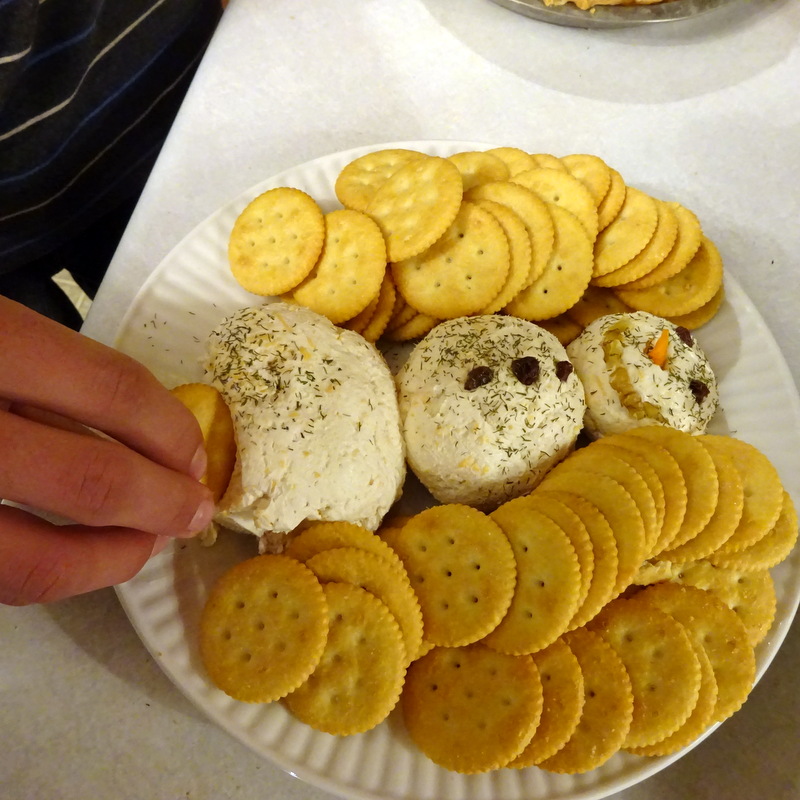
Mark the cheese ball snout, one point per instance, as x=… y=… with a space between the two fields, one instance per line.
x=639 y=369
x=488 y=404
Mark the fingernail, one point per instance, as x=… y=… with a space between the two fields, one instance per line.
x=202 y=516
x=197 y=469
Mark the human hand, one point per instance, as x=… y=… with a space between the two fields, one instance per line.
x=88 y=434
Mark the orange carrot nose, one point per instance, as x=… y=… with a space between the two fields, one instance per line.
x=658 y=352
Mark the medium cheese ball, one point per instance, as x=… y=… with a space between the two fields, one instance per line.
x=488 y=405
x=316 y=422
x=639 y=369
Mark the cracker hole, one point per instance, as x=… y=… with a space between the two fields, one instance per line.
x=434 y=687
x=450 y=540
x=260 y=625
x=540 y=584
x=226 y=635
x=448 y=573
x=240 y=604
x=445 y=606
x=476 y=566
x=474 y=599
x=423 y=548
x=273 y=594
x=591 y=693
x=247 y=657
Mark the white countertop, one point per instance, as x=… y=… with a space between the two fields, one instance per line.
x=705 y=111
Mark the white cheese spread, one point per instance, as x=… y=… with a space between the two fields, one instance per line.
x=626 y=388
x=488 y=404
x=315 y=417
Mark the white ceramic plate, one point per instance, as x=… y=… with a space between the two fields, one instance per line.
x=166 y=327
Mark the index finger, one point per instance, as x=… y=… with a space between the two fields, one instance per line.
x=46 y=365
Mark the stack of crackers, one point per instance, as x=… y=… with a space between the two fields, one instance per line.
x=616 y=607
x=421 y=238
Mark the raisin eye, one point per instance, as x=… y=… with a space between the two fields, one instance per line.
x=684 y=334
x=478 y=376
x=526 y=369
x=699 y=389
x=563 y=370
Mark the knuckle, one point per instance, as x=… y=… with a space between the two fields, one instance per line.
x=124 y=385
x=39 y=583
x=99 y=482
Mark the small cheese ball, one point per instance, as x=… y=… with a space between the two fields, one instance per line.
x=639 y=369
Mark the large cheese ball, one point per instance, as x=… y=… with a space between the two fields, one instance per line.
x=488 y=405
x=316 y=422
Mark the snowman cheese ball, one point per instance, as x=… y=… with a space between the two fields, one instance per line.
x=639 y=369
x=488 y=405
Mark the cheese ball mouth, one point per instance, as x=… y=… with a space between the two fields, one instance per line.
x=488 y=405
x=639 y=369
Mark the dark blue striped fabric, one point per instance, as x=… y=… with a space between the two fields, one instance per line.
x=88 y=91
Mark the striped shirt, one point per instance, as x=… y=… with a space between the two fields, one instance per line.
x=88 y=91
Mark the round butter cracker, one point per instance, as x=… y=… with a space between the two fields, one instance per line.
x=276 y=240
x=263 y=628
